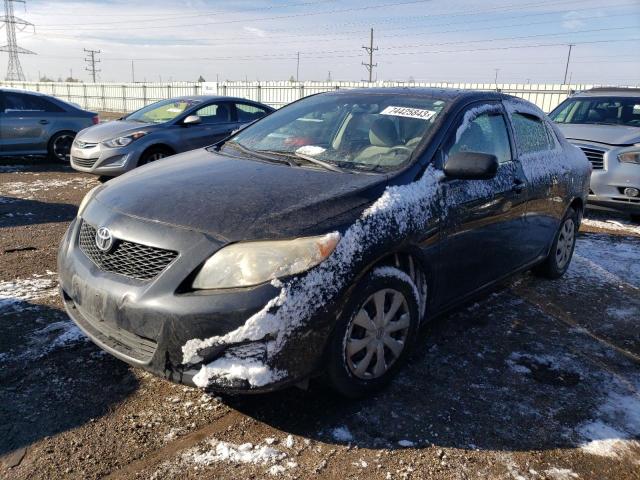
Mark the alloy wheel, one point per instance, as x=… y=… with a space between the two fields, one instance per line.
x=377 y=334
x=156 y=156
x=564 y=246
x=62 y=147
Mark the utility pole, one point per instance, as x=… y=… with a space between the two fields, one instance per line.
x=133 y=73
x=370 y=49
x=91 y=60
x=298 y=68
x=496 y=79
x=566 y=70
x=14 y=69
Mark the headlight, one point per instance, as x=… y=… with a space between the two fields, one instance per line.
x=252 y=263
x=630 y=157
x=124 y=141
x=85 y=200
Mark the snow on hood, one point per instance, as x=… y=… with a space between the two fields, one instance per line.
x=620 y=135
x=108 y=130
x=400 y=211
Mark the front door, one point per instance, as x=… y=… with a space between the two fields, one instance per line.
x=216 y=124
x=485 y=226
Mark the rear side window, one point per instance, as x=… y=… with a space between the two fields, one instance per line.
x=531 y=134
x=487 y=133
x=20 y=102
x=249 y=113
x=216 y=113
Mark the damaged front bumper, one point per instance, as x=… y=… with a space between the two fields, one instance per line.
x=146 y=323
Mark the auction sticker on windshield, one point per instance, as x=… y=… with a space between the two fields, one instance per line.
x=408 y=112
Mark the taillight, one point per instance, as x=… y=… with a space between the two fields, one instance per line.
x=96 y=120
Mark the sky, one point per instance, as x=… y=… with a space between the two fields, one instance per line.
x=518 y=41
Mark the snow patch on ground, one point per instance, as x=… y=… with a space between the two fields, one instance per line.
x=561 y=474
x=613 y=225
x=607 y=260
x=28 y=190
x=342 y=434
x=14 y=292
x=615 y=430
x=246 y=453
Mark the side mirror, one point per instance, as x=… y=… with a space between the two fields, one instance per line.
x=471 y=166
x=192 y=120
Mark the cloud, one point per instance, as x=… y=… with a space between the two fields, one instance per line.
x=574 y=20
x=258 y=32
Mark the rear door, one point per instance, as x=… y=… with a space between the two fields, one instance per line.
x=246 y=113
x=216 y=124
x=484 y=228
x=537 y=149
x=26 y=122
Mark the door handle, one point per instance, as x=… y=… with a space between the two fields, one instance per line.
x=518 y=185
x=43 y=122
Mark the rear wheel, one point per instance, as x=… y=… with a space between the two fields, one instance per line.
x=557 y=263
x=59 y=147
x=374 y=334
x=152 y=154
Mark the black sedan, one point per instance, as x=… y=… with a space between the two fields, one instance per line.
x=321 y=238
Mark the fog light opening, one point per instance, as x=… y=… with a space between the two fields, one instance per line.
x=631 y=192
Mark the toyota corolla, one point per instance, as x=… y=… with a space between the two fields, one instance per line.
x=320 y=239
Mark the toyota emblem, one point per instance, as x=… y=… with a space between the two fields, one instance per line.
x=104 y=239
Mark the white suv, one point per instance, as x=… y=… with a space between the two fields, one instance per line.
x=605 y=124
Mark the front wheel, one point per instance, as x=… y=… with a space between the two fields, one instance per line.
x=374 y=333
x=152 y=154
x=557 y=263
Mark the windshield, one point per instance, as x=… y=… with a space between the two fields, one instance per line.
x=161 y=112
x=599 y=110
x=375 y=132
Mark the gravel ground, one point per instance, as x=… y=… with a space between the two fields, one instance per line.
x=537 y=380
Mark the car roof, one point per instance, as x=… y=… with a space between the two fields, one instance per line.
x=212 y=98
x=17 y=90
x=609 y=91
x=440 y=93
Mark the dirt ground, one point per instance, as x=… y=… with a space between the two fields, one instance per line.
x=537 y=380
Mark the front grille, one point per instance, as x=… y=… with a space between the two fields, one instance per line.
x=126 y=258
x=595 y=156
x=84 y=162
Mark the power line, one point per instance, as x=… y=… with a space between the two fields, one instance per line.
x=14 y=69
x=370 y=49
x=91 y=62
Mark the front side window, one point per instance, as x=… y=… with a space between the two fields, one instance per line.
x=531 y=134
x=487 y=133
x=375 y=132
x=249 y=113
x=163 y=111
x=216 y=113
x=599 y=110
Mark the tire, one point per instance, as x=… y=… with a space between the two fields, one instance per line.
x=635 y=217
x=357 y=337
x=104 y=178
x=152 y=154
x=559 y=259
x=59 y=146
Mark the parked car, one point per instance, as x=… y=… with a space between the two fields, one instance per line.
x=35 y=124
x=605 y=124
x=322 y=237
x=159 y=130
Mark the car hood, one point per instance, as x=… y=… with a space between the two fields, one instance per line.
x=608 y=134
x=108 y=130
x=233 y=198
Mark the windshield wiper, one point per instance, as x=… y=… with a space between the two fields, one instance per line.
x=307 y=158
x=258 y=153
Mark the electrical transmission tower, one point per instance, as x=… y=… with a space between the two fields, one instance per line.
x=9 y=20
x=91 y=61
x=370 y=66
